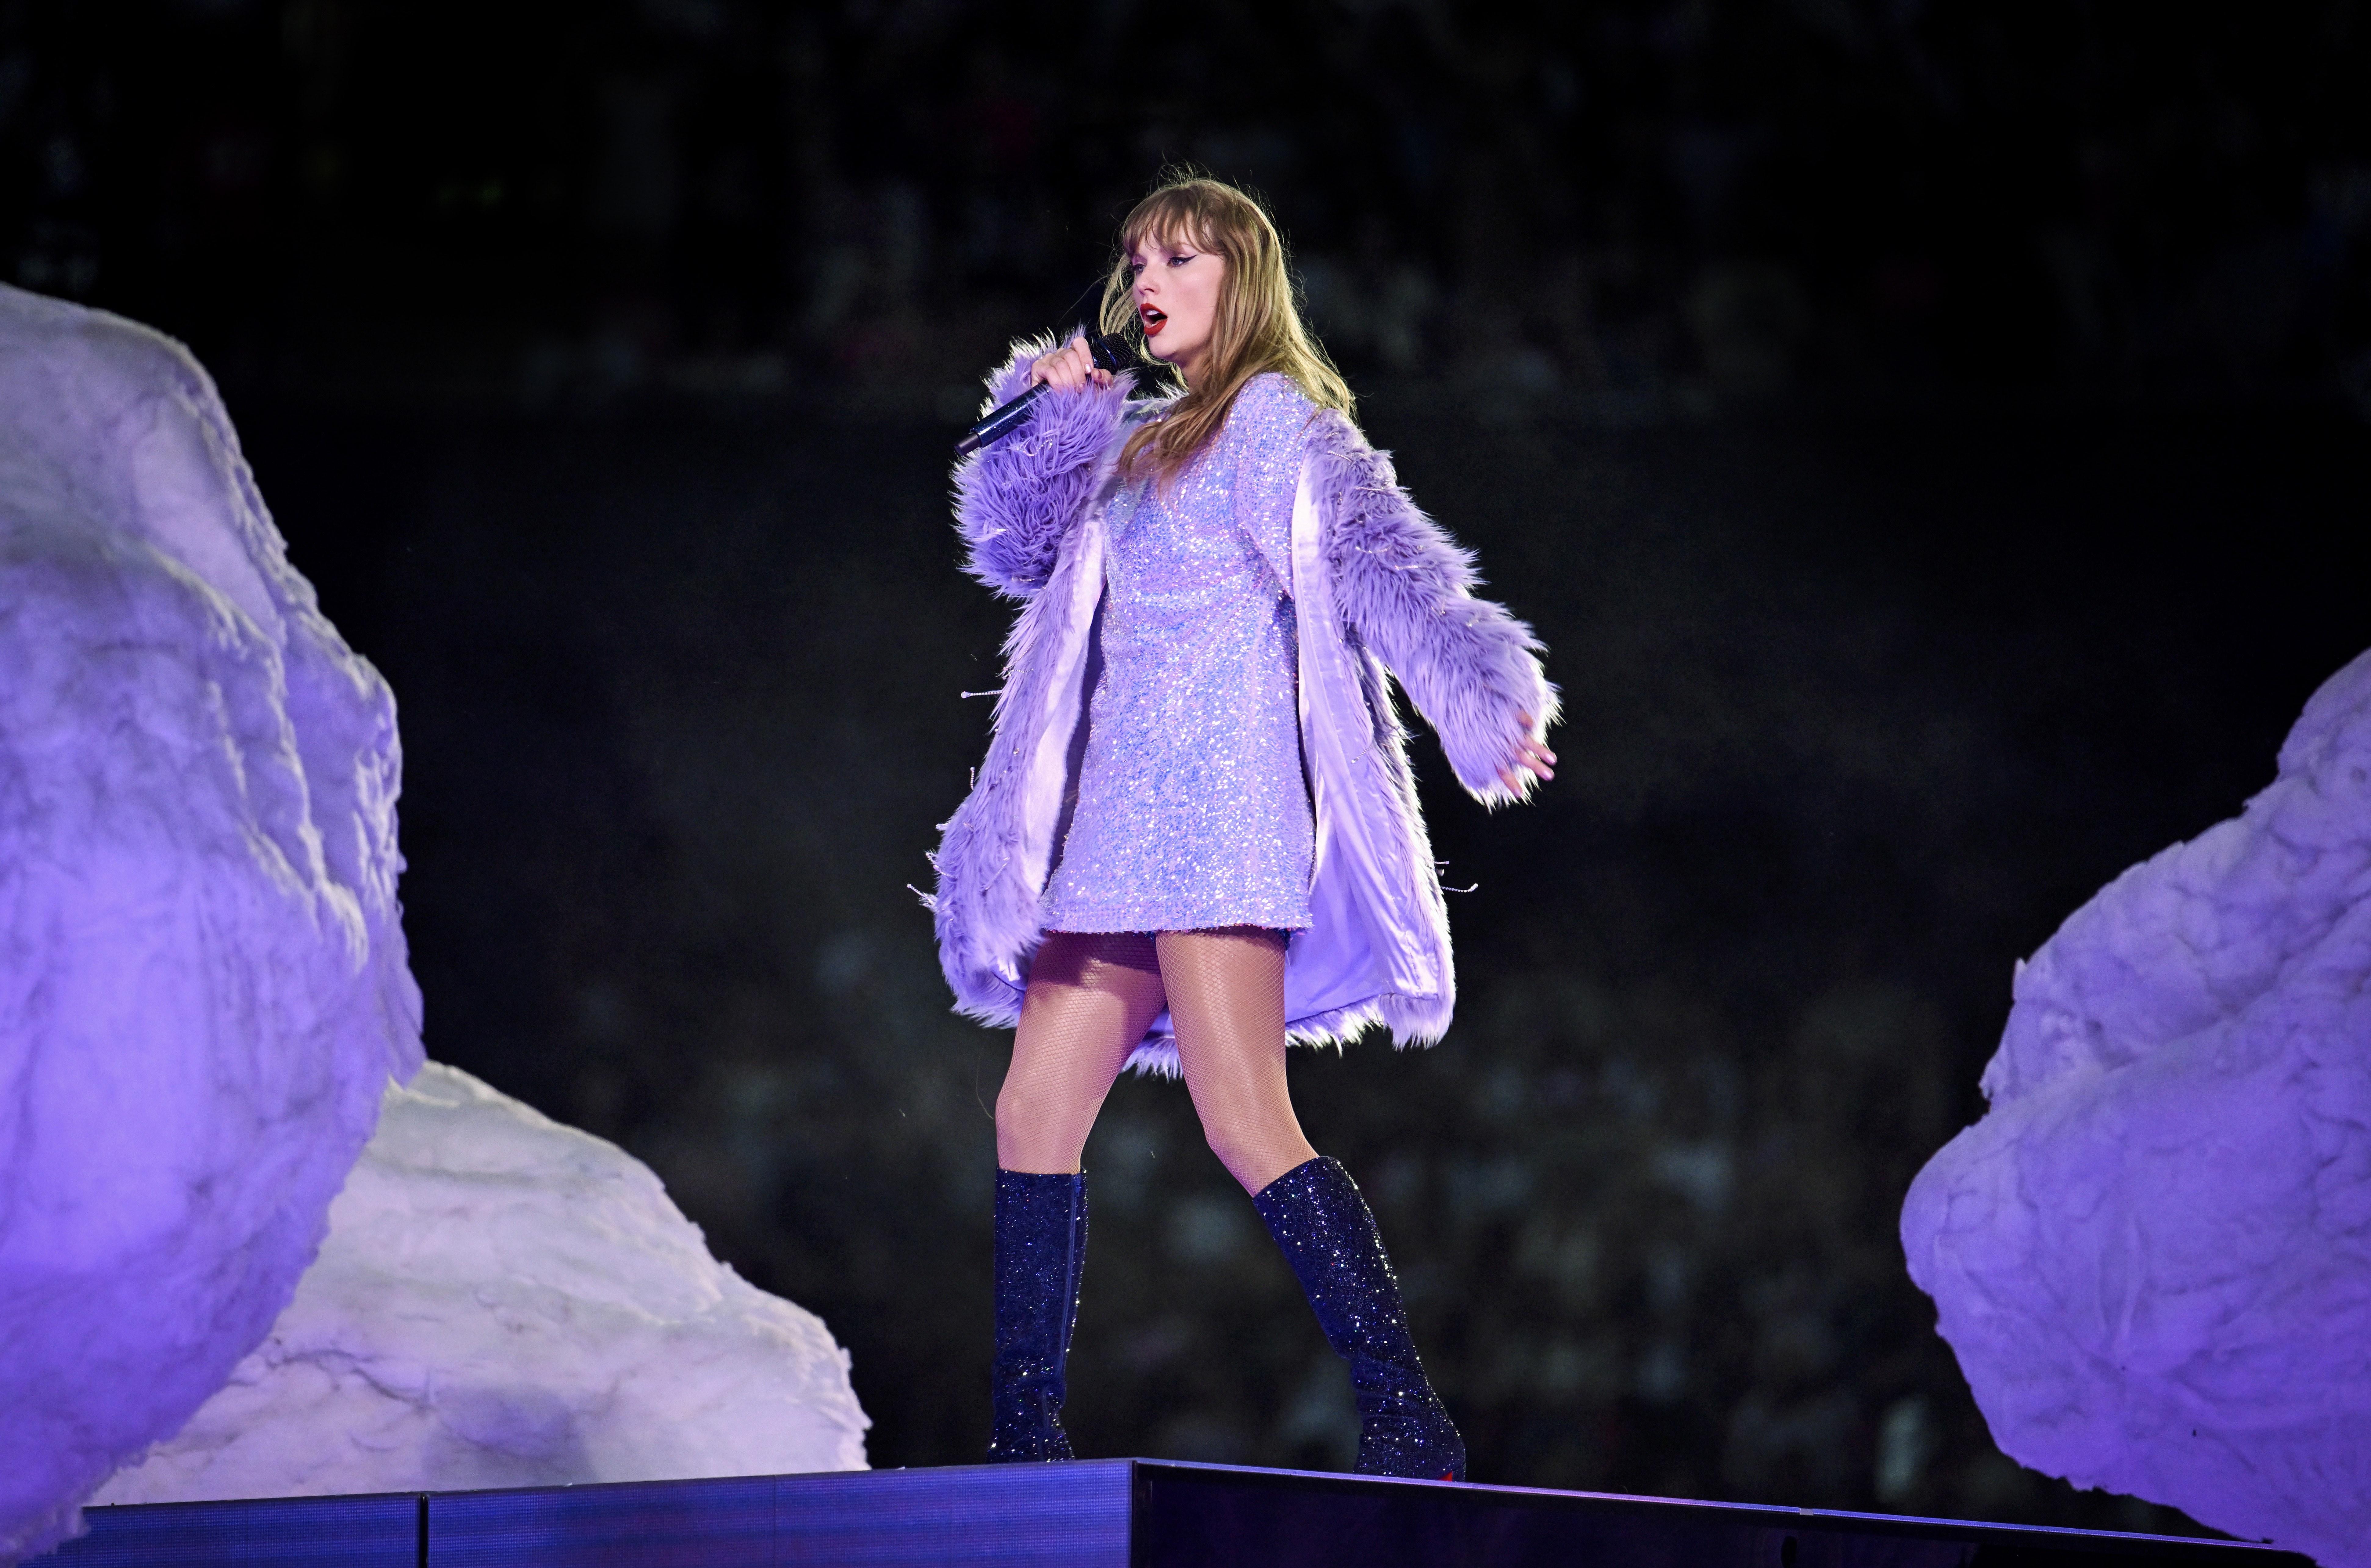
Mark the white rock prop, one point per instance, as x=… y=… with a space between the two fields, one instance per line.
x=202 y=977
x=2153 y=1256
x=505 y=1301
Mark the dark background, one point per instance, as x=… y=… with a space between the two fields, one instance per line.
x=1930 y=436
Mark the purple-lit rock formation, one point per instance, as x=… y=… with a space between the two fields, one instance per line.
x=503 y=1301
x=2153 y=1255
x=202 y=979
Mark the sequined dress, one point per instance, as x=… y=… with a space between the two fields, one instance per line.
x=1193 y=808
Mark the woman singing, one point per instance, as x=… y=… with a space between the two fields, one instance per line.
x=1195 y=836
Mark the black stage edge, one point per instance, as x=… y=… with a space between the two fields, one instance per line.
x=1095 y=1514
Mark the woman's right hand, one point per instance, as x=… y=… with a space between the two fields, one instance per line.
x=1069 y=368
x=1533 y=757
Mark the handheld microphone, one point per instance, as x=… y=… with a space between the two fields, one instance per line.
x=1109 y=353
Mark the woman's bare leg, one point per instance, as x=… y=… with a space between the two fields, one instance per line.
x=1226 y=997
x=1089 y=1002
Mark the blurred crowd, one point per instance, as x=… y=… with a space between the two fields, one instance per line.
x=1628 y=202
x=1857 y=717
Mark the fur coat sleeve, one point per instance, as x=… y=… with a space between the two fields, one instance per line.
x=1014 y=500
x=1405 y=590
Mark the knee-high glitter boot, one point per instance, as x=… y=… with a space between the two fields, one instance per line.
x=1326 y=1233
x=1041 y=1244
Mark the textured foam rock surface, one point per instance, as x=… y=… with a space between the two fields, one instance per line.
x=2153 y=1255
x=505 y=1301
x=202 y=979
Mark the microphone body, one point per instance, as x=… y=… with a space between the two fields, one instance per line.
x=1109 y=353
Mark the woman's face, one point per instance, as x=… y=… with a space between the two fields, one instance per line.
x=1176 y=299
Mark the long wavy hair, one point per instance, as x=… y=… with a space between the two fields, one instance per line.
x=1258 y=329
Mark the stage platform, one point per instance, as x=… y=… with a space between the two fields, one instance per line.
x=1094 y=1513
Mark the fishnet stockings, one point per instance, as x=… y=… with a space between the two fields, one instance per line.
x=1090 y=999
x=1226 y=997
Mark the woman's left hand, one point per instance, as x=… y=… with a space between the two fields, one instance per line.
x=1069 y=367
x=1535 y=760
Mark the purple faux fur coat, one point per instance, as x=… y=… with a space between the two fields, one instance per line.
x=1376 y=585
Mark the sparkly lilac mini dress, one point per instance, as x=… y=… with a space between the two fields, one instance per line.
x=1193 y=809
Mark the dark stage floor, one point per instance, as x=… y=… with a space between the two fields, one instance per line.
x=1099 y=1514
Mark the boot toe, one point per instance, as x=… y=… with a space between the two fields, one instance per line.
x=1414 y=1443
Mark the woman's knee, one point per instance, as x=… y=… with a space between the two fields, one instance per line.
x=1025 y=1109
x=1250 y=1138
x=1035 y=1131
x=1254 y=1162
x=1230 y=1144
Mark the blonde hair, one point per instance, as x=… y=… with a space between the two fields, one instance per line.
x=1257 y=327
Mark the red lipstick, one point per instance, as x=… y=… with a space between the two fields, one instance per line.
x=1151 y=318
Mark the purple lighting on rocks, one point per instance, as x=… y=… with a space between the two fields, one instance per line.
x=202 y=977
x=503 y=1301
x=2153 y=1255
